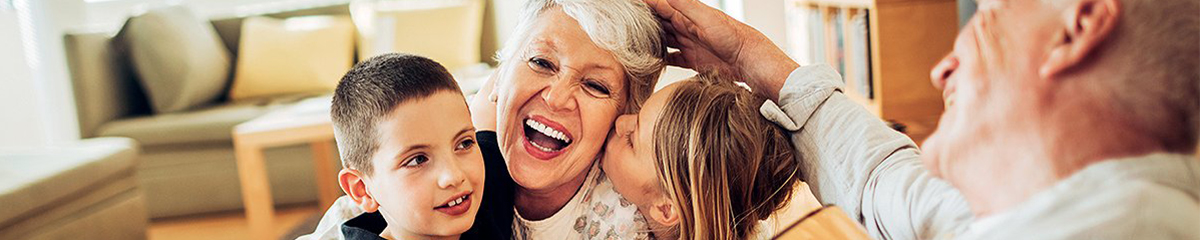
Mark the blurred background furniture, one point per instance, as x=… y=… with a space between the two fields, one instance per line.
x=188 y=163
x=189 y=166
x=85 y=190
x=306 y=122
x=884 y=50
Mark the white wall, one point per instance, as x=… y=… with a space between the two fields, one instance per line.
x=19 y=120
x=768 y=16
x=765 y=15
x=37 y=104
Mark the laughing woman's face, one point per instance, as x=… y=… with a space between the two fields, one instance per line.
x=557 y=99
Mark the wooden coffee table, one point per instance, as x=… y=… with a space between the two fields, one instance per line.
x=306 y=122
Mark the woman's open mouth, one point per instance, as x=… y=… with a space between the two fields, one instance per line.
x=545 y=139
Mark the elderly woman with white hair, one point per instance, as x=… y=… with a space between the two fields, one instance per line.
x=570 y=69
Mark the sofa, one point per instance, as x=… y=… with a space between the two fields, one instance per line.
x=187 y=164
x=84 y=190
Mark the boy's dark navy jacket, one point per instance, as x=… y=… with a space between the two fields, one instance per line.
x=495 y=216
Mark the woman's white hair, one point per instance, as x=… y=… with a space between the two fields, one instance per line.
x=626 y=28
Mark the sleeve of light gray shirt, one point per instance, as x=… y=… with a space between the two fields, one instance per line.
x=854 y=160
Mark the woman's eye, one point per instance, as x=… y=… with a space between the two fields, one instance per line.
x=465 y=144
x=541 y=64
x=596 y=88
x=416 y=161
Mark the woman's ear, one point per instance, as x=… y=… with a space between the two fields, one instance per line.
x=355 y=186
x=665 y=212
x=1086 y=25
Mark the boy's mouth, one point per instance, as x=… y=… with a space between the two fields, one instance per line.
x=545 y=138
x=457 y=205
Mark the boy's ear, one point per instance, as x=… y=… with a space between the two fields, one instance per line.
x=355 y=185
x=665 y=212
x=1086 y=24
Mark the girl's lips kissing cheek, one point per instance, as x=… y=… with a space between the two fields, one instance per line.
x=545 y=139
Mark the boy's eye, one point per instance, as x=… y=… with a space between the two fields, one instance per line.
x=465 y=144
x=416 y=161
x=541 y=65
x=596 y=88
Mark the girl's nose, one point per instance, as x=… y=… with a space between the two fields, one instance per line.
x=626 y=123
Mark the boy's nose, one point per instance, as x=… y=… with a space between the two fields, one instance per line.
x=452 y=176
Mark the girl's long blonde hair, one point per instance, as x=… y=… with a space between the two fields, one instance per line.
x=723 y=163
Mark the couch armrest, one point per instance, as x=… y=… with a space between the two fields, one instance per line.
x=104 y=83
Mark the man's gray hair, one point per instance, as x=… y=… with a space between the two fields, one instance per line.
x=626 y=28
x=1156 y=48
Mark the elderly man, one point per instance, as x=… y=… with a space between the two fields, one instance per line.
x=1065 y=119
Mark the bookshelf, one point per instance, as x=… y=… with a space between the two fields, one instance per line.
x=884 y=50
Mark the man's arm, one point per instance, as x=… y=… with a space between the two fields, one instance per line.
x=850 y=157
x=854 y=160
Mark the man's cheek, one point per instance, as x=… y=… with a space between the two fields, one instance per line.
x=930 y=157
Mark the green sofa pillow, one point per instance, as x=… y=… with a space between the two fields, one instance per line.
x=179 y=59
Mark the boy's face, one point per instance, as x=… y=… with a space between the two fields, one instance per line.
x=428 y=173
x=629 y=155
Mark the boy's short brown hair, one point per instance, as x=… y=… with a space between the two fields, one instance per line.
x=371 y=90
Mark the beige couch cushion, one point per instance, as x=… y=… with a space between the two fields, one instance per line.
x=179 y=58
x=294 y=55
x=446 y=31
x=32 y=180
x=204 y=125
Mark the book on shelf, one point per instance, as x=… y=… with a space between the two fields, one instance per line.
x=860 y=43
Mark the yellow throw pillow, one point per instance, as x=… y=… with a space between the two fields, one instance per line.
x=294 y=55
x=447 y=31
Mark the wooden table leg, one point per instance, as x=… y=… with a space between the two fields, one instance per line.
x=326 y=173
x=256 y=190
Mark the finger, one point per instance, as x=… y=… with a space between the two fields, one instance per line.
x=681 y=25
x=661 y=7
x=696 y=11
x=670 y=17
x=669 y=40
x=677 y=59
x=491 y=87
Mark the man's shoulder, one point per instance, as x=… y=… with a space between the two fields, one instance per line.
x=1144 y=198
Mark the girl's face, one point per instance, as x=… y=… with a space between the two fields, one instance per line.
x=557 y=98
x=629 y=155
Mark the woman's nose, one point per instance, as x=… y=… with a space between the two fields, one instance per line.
x=559 y=94
x=942 y=71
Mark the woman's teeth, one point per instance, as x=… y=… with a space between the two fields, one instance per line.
x=542 y=128
x=540 y=147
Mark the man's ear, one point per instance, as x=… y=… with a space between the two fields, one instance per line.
x=355 y=186
x=1086 y=25
x=665 y=212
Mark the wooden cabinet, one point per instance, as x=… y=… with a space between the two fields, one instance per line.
x=884 y=50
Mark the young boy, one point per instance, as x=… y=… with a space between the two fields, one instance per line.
x=410 y=155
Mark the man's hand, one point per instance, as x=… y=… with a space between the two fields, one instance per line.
x=709 y=40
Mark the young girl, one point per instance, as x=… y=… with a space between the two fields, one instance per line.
x=700 y=162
